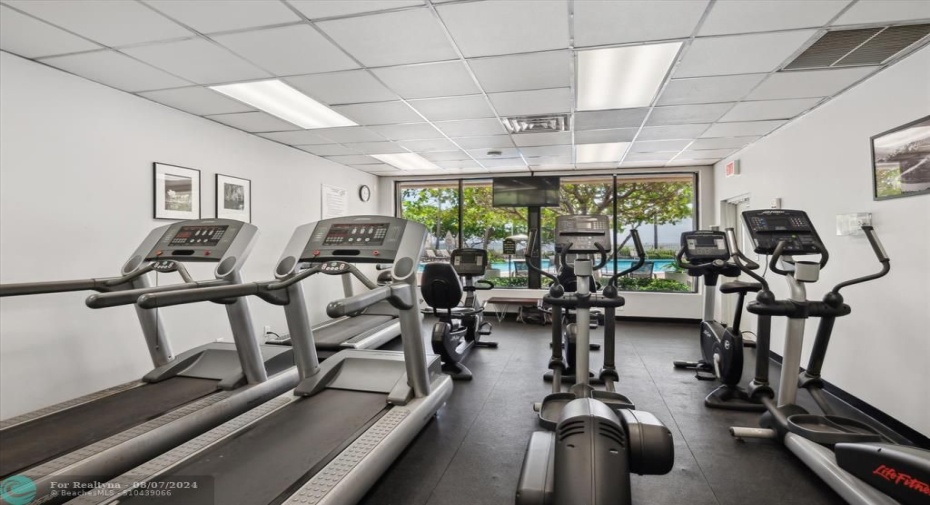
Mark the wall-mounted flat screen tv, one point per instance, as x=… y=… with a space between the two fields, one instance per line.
x=526 y=191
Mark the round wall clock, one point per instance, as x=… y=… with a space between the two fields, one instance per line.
x=364 y=193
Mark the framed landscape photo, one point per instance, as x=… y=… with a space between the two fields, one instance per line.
x=901 y=161
x=233 y=198
x=177 y=192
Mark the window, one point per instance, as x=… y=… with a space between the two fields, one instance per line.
x=660 y=206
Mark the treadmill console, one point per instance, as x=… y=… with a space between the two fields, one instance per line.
x=582 y=232
x=469 y=261
x=769 y=227
x=705 y=246
x=196 y=240
x=357 y=239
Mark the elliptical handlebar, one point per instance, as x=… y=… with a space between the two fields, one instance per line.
x=534 y=235
x=744 y=263
x=879 y=253
x=488 y=285
x=640 y=261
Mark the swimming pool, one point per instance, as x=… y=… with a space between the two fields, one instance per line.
x=518 y=267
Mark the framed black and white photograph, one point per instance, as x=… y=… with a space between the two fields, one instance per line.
x=233 y=198
x=901 y=161
x=177 y=192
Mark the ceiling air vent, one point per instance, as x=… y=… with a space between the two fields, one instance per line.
x=867 y=46
x=536 y=124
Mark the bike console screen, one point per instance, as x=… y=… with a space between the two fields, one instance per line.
x=583 y=232
x=769 y=227
x=704 y=246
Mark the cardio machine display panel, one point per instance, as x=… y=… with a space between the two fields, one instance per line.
x=705 y=245
x=769 y=227
x=196 y=240
x=358 y=239
x=469 y=261
x=583 y=232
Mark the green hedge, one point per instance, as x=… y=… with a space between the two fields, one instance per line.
x=625 y=284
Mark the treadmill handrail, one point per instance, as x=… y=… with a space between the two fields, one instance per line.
x=103 y=285
x=130 y=296
x=397 y=294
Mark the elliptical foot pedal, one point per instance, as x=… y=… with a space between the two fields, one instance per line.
x=457 y=371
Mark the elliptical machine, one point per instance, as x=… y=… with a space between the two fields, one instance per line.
x=705 y=253
x=460 y=327
x=863 y=466
x=596 y=439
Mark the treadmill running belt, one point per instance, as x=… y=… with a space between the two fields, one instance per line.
x=332 y=336
x=258 y=464
x=34 y=442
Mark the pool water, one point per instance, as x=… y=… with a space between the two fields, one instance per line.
x=520 y=266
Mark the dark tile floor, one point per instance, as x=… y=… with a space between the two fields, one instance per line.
x=471 y=453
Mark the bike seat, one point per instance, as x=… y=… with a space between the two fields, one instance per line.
x=740 y=287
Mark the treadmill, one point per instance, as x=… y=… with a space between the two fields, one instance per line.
x=330 y=439
x=103 y=434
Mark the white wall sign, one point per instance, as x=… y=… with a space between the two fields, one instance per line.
x=335 y=201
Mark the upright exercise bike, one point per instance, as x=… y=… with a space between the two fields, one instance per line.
x=705 y=253
x=595 y=438
x=461 y=325
x=863 y=466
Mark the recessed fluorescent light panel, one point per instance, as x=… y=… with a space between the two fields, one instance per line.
x=285 y=102
x=406 y=161
x=596 y=153
x=623 y=77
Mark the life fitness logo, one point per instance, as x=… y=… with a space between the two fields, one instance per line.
x=902 y=479
x=17 y=490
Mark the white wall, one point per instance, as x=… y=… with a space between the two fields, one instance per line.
x=75 y=200
x=821 y=164
x=642 y=304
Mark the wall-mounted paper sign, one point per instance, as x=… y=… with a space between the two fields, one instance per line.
x=335 y=201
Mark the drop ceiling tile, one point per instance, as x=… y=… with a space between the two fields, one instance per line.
x=551 y=69
x=768 y=109
x=315 y=9
x=518 y=26
x=884 y=11
x=688 y=131
x=741 y=129
x=740 y=16
x=30 y=38
x=423 y=146
x=539 y=151
x=328 y=150
x=526 y=103
x=114 y=69
x=430 y=80
x=695 y=90
x=459 y=107
x=598 y=22
x=663 y=157
x=197 y=60
x=618 y=118
x=377 y=147
x=254 y=122
x=498 y=163
x=542 y=164
x=722 y=143
x=550 y=160
x=679 y=162
x=354 y=160
x=301 y=137
x=288 y=50
x=456 y=155
x=659 y=146
x=392 y=38
x=379 y=113
x=687 y=114
x=414 y=131
x=107 y=22
x=494 y=141
x=740 y=54
x=542 y=139
x=378 y=168
x=505 y=152
x=471 y=127
x=596 y=166
x=222 y=15
x=197 y=100
x=706 y=154
x=642 y=164
x=348 y=134
x=605 y=136
x=353 y=86
x=809 y=83
x=458 y=164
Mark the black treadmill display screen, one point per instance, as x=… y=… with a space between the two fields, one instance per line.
x=198 y=236
x=356 y=234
